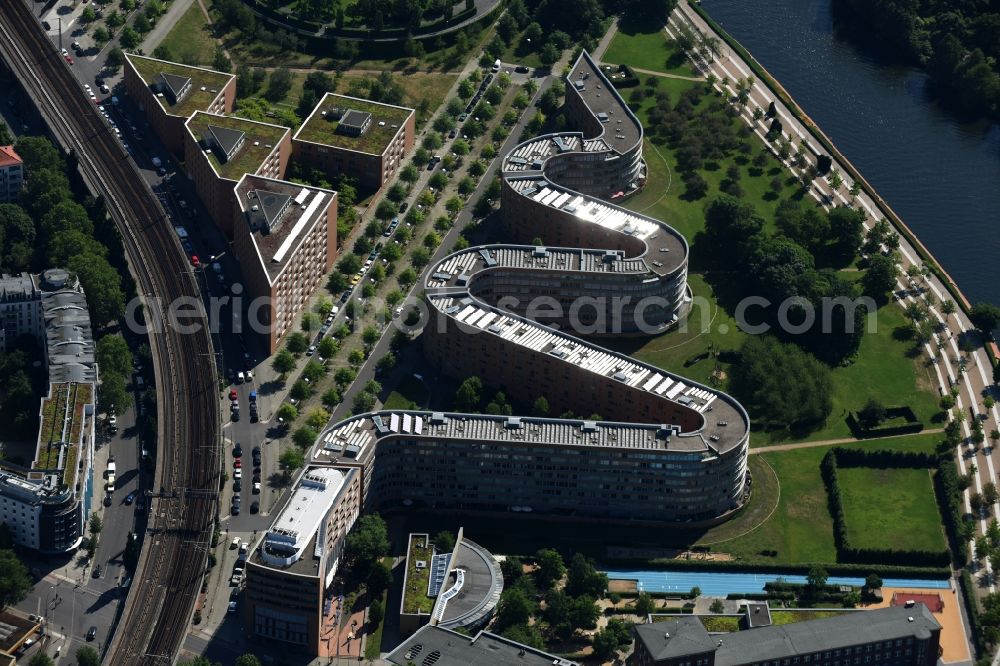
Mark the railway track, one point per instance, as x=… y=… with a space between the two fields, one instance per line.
x=155 y=619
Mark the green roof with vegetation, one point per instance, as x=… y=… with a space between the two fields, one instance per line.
x=323 y=129
x=52 y=430
x=720 y=623
x=415 y=597
x=249 y=157
x=787 y=616
x=203 y=83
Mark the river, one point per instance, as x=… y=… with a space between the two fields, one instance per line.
x=940 y=175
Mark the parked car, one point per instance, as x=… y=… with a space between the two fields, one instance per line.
x=255 y=507
x=256 y=488
x=232 y=606
x=97 y=571
x=238 y=451
x=235 y=543
x=232 y=394
x=92 y=633
x=129 y=499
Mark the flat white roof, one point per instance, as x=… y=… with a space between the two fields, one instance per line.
x=299 y=521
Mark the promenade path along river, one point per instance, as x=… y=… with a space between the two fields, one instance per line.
x=967 y=372
x=939 y=173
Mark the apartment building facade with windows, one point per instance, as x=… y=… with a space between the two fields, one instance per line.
x=45 y=504
x=290 y=571
x=285 y=237
x=11 y=174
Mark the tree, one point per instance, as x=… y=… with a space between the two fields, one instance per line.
x=115 y=58
x=380 y=578
x=717 y=606
x=41 y=659
x=729 y=223
x=95 y=523
x=880 y=278
x=550 y=567
x=444 y=541
x=304 y=437
x=872 y=414
x=514 y=607
x=366 y=544
x=129 y=38
x=583 y=578
x=102 y=285
x=87 y=656
x=297 y=343
x=247 y=659
x=873 y=582
x=327 y=347
x=278 y=85
x=287 y=413
x=512 y=569
x=344 y=376
x=376 y=611
x=985 y=317
x=113 y=355
x=15 y=583
x=291 y=459
x=469 y=395
x=816 y=578
x=644 y=604
x=780 y=384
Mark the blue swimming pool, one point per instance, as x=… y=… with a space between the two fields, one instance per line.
x=721 y=584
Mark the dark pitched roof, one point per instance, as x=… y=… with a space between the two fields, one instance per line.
x=228 y=140
x=355 y=119
x=272 y=205
x=852 y=628
x=434 y=646
x=175 y=84
x=675 y=638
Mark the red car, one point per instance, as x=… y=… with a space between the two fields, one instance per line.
x=238 y=463
x=194 y=261
x=69 y=59
x=232 y=394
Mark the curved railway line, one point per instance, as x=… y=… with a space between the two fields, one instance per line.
x=156 y=614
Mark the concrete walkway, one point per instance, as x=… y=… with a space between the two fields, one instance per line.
x=602 y=46
x=668 y=76
x=833 y=442
x=165 y=24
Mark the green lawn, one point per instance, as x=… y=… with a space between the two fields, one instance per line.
x=647 y=50
x=190 y=41
x=882 y=369
x=907 y=518
x=801 y=529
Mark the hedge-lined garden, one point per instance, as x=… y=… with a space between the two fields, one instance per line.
x=920 y=522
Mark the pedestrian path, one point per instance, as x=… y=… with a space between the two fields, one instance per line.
x=833 y=442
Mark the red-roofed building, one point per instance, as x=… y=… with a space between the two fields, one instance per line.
x=11 y=174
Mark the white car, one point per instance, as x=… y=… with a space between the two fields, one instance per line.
x=236 y=543
x=249 y=375
x=240 y=377
x=64 y=52
x=237 y=474
x=256 y=488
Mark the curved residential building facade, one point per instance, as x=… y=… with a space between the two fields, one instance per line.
x=657 y=446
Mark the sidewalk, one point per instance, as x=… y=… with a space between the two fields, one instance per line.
x=165 y=24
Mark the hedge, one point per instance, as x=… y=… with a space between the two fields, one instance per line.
x=845 y=551
x=834 y=569
x=949 y=494
x=972 y=610
x=313 y=28
x=764 y=76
